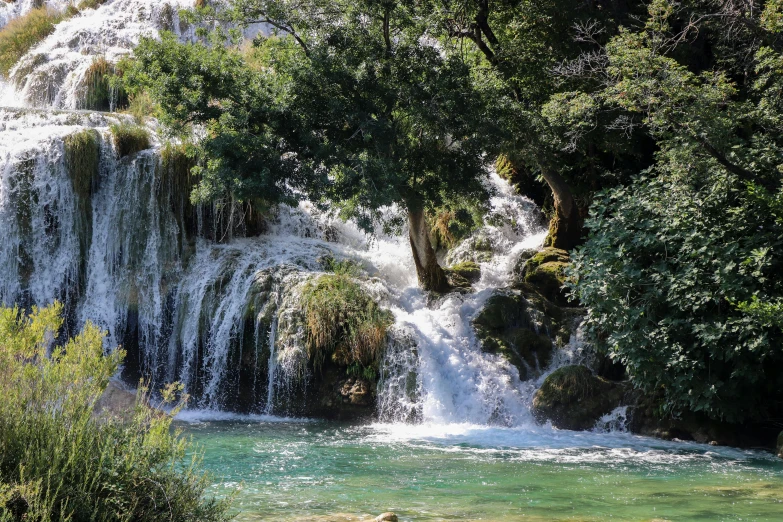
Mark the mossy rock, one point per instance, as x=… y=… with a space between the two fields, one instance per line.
x=545 y=270
x=573 y=398
x=514 y=325
x=468 y=270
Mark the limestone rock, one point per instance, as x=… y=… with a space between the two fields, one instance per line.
x=524 y=326
x=573 y=398
x=116 y=401
x=386 y=517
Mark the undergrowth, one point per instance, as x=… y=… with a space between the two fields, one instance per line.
x=60 y=461
x=129 y=138
x=344 y=323
x=21 y=34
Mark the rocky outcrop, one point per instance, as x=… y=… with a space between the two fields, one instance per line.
x=525 y=327
x=117 y=402
x=573 y=398
x=545 y=271
x=335 y=395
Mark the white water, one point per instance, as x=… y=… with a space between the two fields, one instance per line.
x=187 y=302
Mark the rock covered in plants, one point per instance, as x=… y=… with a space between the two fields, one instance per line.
x=545 y=270
x=573 y=398
x=524 y=327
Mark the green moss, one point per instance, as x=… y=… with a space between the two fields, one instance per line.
x=468 y=269
x=573 y=398
x=546 y=272
x=548 y=255
x=82 y=159
x=343 y=323
x=129 y=139
x=21 y=34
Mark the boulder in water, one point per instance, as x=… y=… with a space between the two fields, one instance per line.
x=573 y=398
x=386 y=517
x=546 y=272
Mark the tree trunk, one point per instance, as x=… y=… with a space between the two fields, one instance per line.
x=431 y=276
x=565 y=229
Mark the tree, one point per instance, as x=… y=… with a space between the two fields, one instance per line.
x=354 y=105
x=518 y=44
x=679 y=274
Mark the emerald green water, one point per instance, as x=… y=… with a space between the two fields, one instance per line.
x=326 y=471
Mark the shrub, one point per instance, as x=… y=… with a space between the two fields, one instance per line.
x=21 y=34
x=344 y=323
x=680 y=278
x=141 y=106
x=129 y=138
x=59 y=460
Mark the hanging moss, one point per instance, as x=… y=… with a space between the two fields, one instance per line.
x=129 y=138
x=97 y=89
x=82 y=159
x=175 y=176
x=344 y=324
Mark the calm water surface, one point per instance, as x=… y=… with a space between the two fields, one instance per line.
x=299 y=470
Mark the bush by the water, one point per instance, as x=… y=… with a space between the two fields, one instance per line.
x=344 y=323
x=21 y=34
x=681 y=281
x=61 y=461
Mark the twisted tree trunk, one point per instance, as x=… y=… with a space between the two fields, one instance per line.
x=565 y=229
x=431 y=275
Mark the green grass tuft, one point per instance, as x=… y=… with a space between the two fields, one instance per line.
x=344 y=323
x=21 y=34
x=90 y=4
x=129 y=138
x=82 y=158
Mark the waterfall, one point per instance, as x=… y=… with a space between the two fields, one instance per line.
x=116 y=240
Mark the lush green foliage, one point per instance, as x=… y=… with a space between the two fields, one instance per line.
x=680 y=275
x=343 y=113
x=20 y=34
x=59 y=461
x=344 y=323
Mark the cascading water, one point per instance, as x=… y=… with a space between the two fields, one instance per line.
x=123 y=249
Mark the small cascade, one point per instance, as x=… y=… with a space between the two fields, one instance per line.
x=270 y=385
x=55 y=72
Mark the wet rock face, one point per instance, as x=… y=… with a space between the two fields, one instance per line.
x=335 y=395
x=525 y=327
x=779 y=445
x=573 y=398
x=545 y=270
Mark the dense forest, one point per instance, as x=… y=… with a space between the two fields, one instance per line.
x=650 y=133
